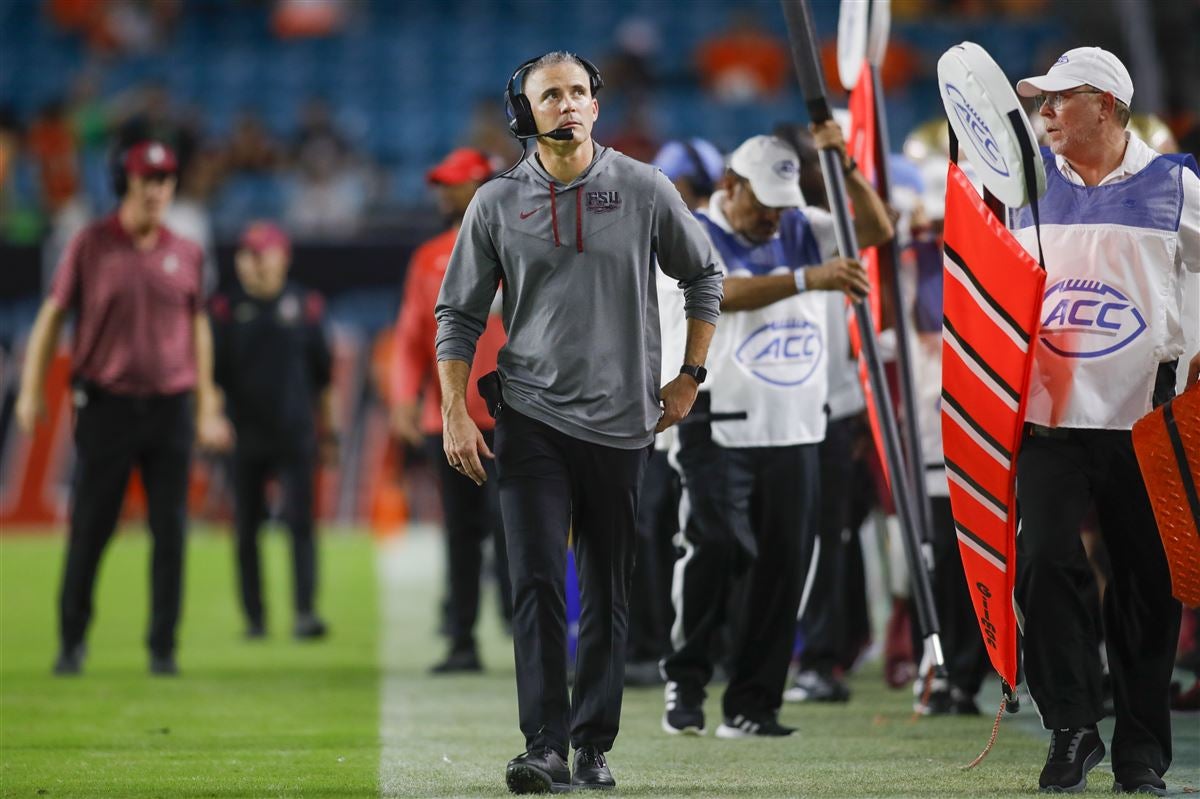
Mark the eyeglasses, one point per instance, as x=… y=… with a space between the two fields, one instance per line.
x=1056 y=99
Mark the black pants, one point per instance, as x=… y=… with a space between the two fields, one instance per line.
x=658 y=522
x=113 y=434
x=251 y=470
x=835 y=622
x=1057 y=479
x=750 y=510
x=472 y=514
x=550 y=482
x=965 y=652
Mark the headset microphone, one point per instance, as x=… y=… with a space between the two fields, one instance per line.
x=558 y=134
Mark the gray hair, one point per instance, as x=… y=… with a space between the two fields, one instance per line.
x=555 y=58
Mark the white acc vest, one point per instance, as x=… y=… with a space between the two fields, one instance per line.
x=1111 y=284
x=771 y=362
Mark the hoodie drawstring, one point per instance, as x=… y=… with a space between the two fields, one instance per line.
x=554 y=215
x=578 y=220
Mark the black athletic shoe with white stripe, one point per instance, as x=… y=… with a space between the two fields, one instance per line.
x=1073 y=753
x=745 y=727
x=684 y=714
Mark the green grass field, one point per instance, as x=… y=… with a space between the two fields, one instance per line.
x=357 y=715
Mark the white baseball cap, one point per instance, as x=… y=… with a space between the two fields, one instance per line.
x=773 y=169
x=1090 y=65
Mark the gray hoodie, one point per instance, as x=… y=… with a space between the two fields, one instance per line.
x=579 y=300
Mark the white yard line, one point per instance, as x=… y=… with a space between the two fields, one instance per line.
x=398 y=561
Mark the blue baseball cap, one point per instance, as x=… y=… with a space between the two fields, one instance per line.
x=676 y=162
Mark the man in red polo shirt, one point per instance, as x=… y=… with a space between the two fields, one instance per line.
x=472 y=512
x=142 y=365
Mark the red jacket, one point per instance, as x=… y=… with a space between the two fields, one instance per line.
x=414 y=363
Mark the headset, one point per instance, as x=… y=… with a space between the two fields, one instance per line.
x=520 y=113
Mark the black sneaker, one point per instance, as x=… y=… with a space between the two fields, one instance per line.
x=745 y=727
x=813 y=686
x=682 y=716
x=163 y=666
x=309 y=627
x=256 y=631
x=539 y=771
x=69 y=662
x=591 y=771
x=1073 y=753
x=465 y=661
x=1140 y=779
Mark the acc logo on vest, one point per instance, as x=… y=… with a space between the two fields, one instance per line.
x=1087 y=319
x=782 y=353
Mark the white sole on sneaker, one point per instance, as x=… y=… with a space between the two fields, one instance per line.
x=729 y=733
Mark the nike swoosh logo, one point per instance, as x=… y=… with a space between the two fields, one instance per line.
x=527 y=214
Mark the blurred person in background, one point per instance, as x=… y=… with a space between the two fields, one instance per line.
x=142 y=371
x=1136 y=235
x=694 y=166
x=750 y=486
x=330 y=194
x=471 y=512
x=573 y=232
x=745 y=62
x=51 y=142
x=273 y=365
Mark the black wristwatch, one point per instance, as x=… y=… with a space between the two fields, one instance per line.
x=697 y=373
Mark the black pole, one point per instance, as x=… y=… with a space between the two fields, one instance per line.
x=904 y=359
x=812 y=84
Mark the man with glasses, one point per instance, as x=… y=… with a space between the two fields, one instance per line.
x=1119 y=225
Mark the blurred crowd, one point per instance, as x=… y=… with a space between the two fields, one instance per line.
x=321 y=174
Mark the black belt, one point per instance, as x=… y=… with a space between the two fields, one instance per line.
x=1039 y=431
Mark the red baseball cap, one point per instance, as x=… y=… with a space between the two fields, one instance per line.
x=460 y=166
x=150 y=158
x=262 y=235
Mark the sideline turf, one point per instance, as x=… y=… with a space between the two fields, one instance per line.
x=458 y=732
x=291 y=720
x=270 y=718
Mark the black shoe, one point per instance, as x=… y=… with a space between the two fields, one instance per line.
x=1141 y=779
x=309 y=627
x=1073 y=753
x=69 y=662
x=539 y=771
x=745 y=727
x=256 y=631
x=684 y=714
x=591 y=771
x=163 y=666
x=460 y=662
x=814 y=686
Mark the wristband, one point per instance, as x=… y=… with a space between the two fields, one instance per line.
x=849 y=168
x=801 y=280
